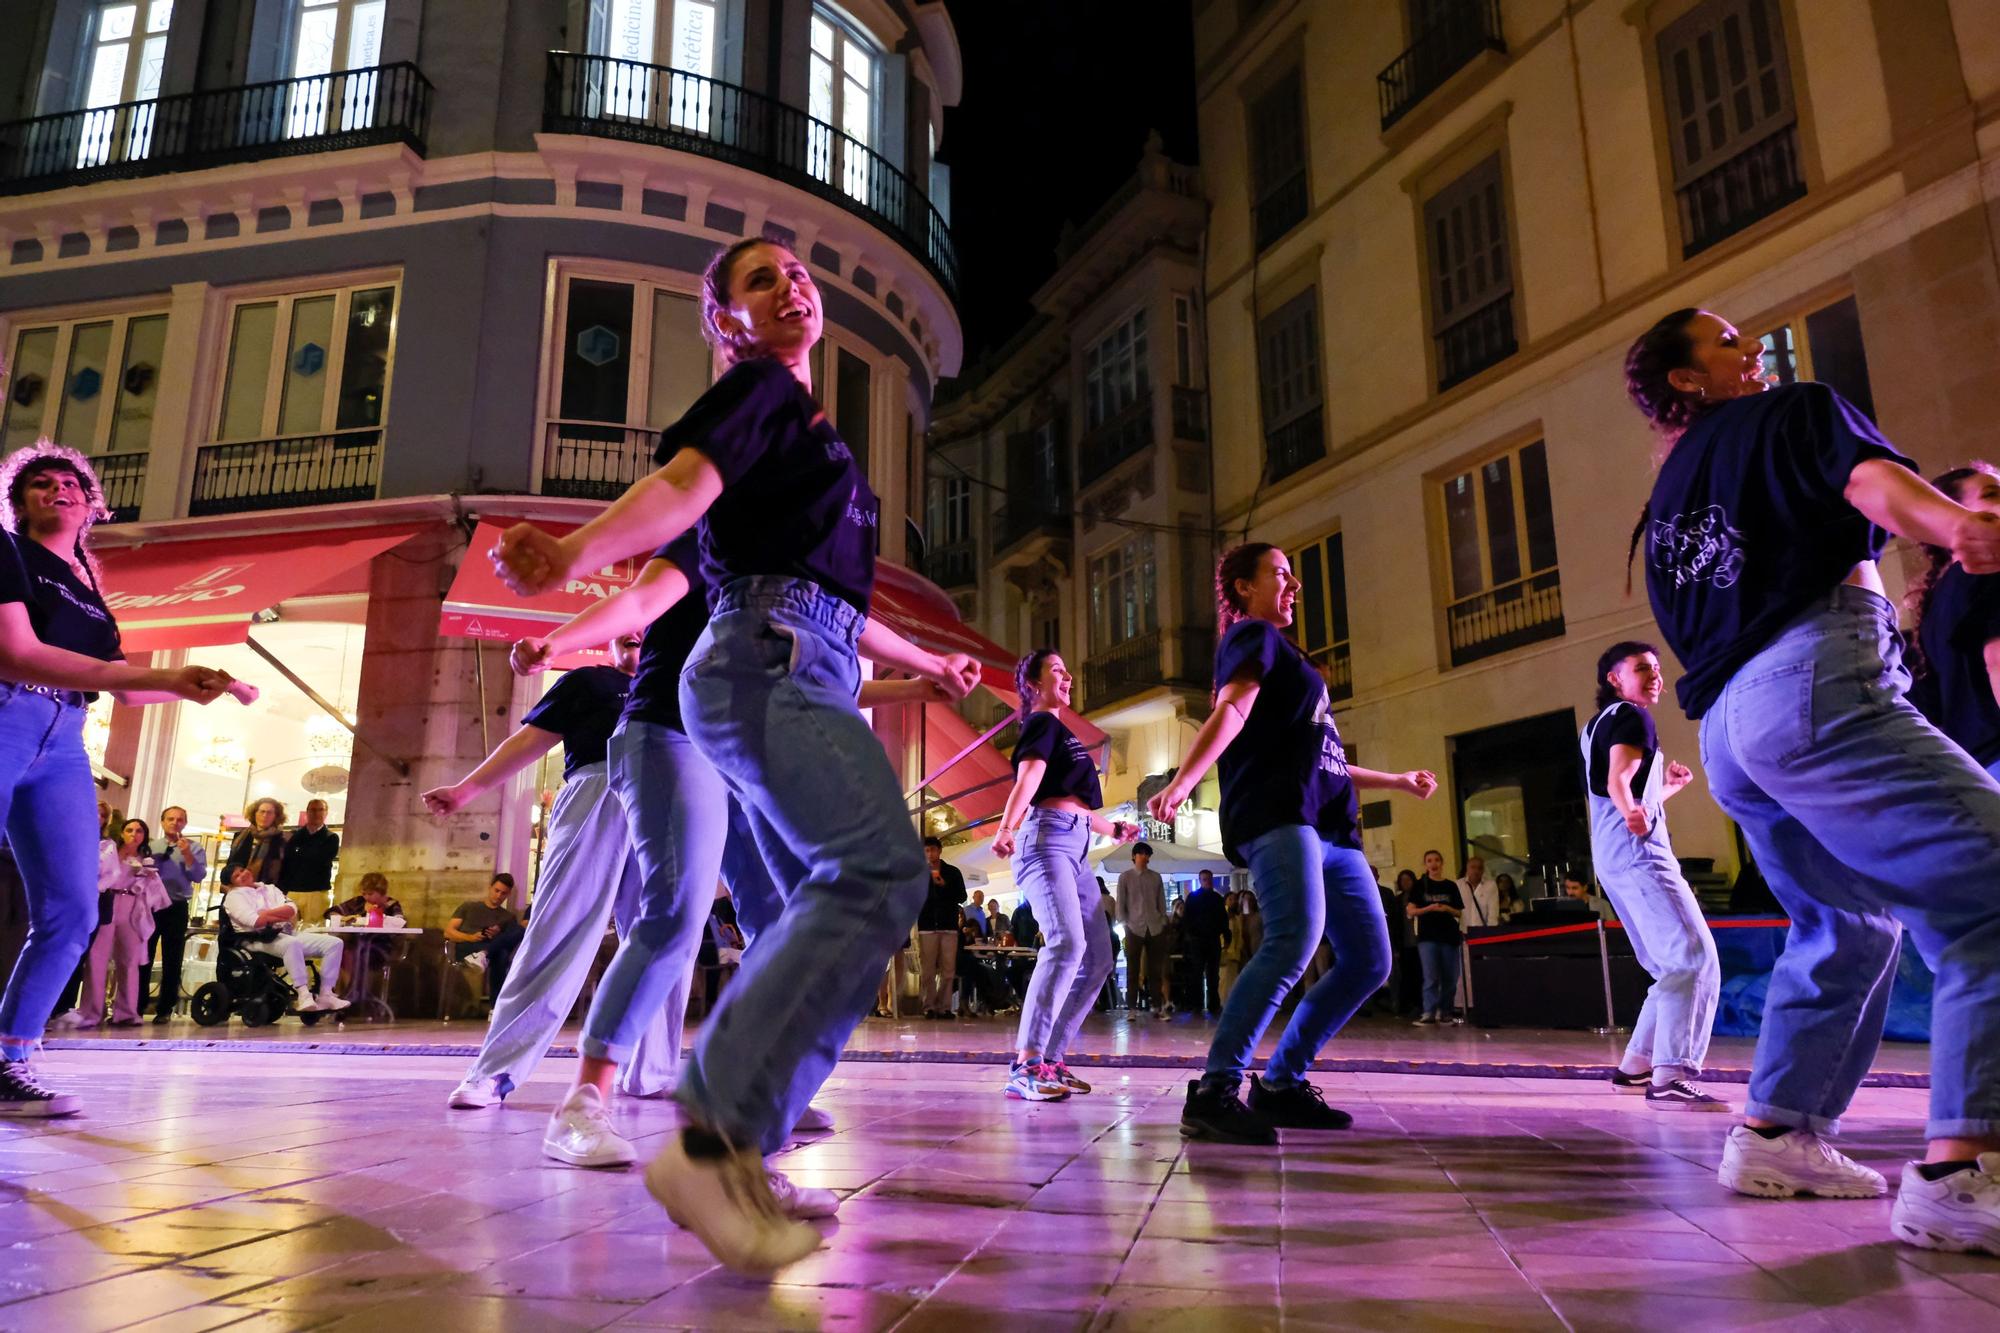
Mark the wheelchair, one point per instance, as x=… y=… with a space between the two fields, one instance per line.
x=251 y=985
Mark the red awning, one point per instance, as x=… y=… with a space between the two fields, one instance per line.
x=976 y=786
x=196 y=594
x=479 y=605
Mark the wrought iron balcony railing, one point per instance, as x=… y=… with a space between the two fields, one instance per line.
x=624 y=99
x=247 y=475
x=1460 y=33
x=1336 y=666
x=1481 y=339
x=952 y=564
x=187 y=131
x=1295 y=444
x=1025 y=515
x=1115 y=440
x=1139 y=664
x=1754 y=184
x=1515 y=614
x=123 y=477
x=595 y=460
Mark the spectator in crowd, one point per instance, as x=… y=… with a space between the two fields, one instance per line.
x=937 y=933
x=1206 y=931
x=310 y=853
x=374 y=897
x=1142 y=907
x=1027 y=930
x=895 y=980
x=1388 y=999
x=489 y=931
x=1409 y=984
x=1436 y=905
x=996 y=919
x=1246 y=933
x=1511 y=904
x=129 y=893
x=975 y=914
x=1480 y=895
x=1107 y=998
x=268 y=922
x=182 y=865
x=1576 y=886
x=260 y=849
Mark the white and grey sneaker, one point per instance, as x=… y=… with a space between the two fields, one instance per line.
x=726 y=1202
x=476 y=1092
x=23 y=1097
x=328 y=1002
x=1796 y=1162
x=814 y=1120
x=801 y=1202
x=1681 y=1095
x=1959 y=1212
x=580 y=1132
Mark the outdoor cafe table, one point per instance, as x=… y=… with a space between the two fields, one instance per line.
x=365 y=1001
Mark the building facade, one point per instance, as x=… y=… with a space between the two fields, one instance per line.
x=337 y=272
x=1436 y=227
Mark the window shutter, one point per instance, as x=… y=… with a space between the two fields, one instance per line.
x=1466 y=223
x=1277 y=133
x=1288 y=343
x=1726 y=80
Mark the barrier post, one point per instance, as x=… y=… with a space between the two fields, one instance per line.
x=1465 y=971
x=1604 y=962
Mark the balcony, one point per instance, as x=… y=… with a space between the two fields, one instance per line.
x=1117 y=439
x=1035 y=514
x=252 y=475
x=953 y=564
x=1280 y=210
x=1138 y=665
x=1511 y=616
x=1190 y=414
x=123 y=477
x=594 y=460
x=1754 y=184
x=1336 y=667
x=1440 y=51
x=652 y=104
x=1295 y=445
x=1481 y=339
x=188 y=131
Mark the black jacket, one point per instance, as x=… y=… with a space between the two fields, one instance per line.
x=947 y=891
x=309 y=860
x=1206 y=923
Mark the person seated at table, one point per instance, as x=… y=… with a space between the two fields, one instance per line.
x=374 y=897
x=488 y=931
x=267 y=921
x=1574 y=886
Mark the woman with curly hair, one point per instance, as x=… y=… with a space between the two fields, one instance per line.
x=1761 y=537
x=59 y=647
x=1955 y=632
x=260 y=848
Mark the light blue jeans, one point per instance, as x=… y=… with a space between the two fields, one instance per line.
x=48 y=809
x=1862 y=817
x=1308 y=890
x=1441 y=967
x=589 y=877
x=1050 y=868
x=1668 y=934
x=769 y=698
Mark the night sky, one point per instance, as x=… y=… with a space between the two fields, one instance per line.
x=1059 y=96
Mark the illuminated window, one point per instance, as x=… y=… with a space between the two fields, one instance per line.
x=1320 y=626
x=1823 y=345
x=1114 y=372
x=1505 y=589
x=128 y=50
x=842 y=99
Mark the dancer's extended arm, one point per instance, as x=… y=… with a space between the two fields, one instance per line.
x=1225 y=723
x=629 y=611
x=659 y=508
x=509 y=757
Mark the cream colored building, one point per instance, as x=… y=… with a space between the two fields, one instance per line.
x=1435 y=228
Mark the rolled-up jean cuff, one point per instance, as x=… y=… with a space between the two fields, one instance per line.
x=1962 y=1129
x=1779 y=1115
x=603 y=1050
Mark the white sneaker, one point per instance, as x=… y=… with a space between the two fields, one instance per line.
x=71 y=1019
x=1796 y=1162
x=305 y=1002
x=581 y=1134
x=814 y=1120
x=331 y=1003
x=475 y=1093
x=726 y=1202
x=801 y=1202
x=1960 y=1213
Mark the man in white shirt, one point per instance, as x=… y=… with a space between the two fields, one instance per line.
x=1142 y=906
x=1480 y=895
x=254 y=908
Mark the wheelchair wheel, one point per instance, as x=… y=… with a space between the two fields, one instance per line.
x=311 y=1018
x=257 y=1011
x=210 y=1005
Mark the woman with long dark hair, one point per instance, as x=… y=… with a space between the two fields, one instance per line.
x=1955 y=632
x=1761 y=538
x=1627 y=784
x=787 y=546
x=1289 y=813
x=58 y=646
x=1046 y=827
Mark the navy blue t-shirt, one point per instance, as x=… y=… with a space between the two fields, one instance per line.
x=583 y=709
x=1625 y=724
x=655 y=695
x=1069 y=771
x=1963 y=616
x=1748 y=525
x=793 y=500
x=1286 y=766
x=65 y=611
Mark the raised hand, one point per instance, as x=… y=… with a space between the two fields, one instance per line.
x=443 y=800
x=1003 y=843
x=1636 y=821
x=196 y=684
x=1678 y=775
x=530 y=657
x=959 y=677
x=1420 y=783
x=529 y=560
x=242 y=691
x=1975 y=542
x=1165 y=804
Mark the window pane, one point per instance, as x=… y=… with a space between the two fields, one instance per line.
x=107 y=76
x=1541 y=513
x=364 y=35
x=1838 y=357
x=314 y=51
x=364 y=374
x=161 y=16
x=302 y=401
x=1461 y=523
x=851 y=406
x=597 y=347
x=1502 y=539
x=28 y=388
x=84 y=389
x=249 y=368
x=1780 y=357
x=1336 y=585
x=114 y=22
x=631 y=30
x=1312 y=599
x=139 y=385
x=822 y=37
x=679 y=370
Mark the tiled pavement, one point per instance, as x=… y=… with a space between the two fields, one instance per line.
x=279 y=1191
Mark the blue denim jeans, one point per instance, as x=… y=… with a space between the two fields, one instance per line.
x=1050 y=868
x=48 y=809
x=768 y=695
x=1308 y=890
x=1441 y=963
x=1865 y=820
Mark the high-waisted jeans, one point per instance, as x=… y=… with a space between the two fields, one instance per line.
x=1309 y=890
x=1050 y=868
x=1668 y=934
x=48 y=807
x=1863 y=818
x=768 y=696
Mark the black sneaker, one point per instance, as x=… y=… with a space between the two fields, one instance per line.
x=1625 y=1082
x=1221 y=1117
x=1681 y=1095
x=23 y=1097
x=1301 y=1106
